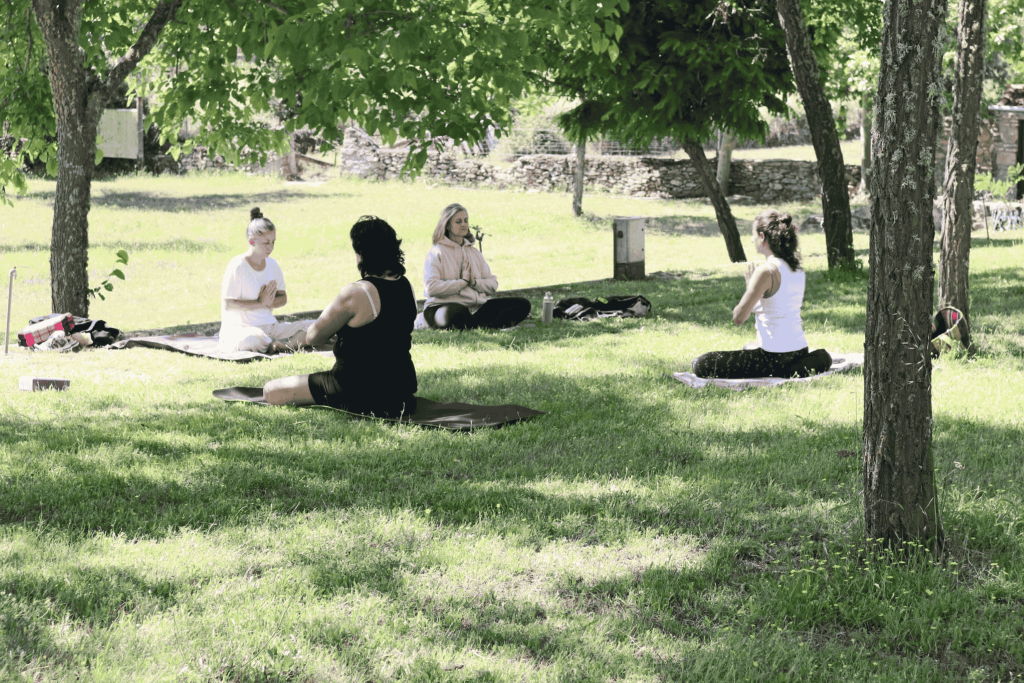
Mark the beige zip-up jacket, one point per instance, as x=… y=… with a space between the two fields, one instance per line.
x=447 y=270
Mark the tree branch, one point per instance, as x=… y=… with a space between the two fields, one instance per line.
x=28 y=29
x=163 y=14
x=274 y=6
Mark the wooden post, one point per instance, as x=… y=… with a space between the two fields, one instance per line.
x=140 y=110
x=628 y=235
x=10 y=294
x=141 y=131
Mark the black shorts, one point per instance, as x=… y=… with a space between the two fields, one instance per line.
x=327 y=391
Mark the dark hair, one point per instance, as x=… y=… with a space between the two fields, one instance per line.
x=258 y=225
x=779 y=233
x=378 y=245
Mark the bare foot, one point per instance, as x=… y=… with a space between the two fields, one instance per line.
x=278 y=347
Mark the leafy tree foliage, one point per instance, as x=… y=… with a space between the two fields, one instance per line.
x=1003 y=51
x=416 y=68
x=680 y=70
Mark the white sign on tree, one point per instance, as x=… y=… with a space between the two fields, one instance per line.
x=119 y=134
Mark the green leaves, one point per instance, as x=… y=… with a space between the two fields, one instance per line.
x=107 y=285
x=664 y=68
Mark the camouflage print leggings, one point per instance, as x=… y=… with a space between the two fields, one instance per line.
x=760 y=363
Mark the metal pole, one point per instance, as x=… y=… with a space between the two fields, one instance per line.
x=10 y=292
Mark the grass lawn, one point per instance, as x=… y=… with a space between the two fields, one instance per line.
x=639 y=531
x=851 y=153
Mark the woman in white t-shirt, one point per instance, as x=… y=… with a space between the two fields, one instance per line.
x=775 y=295
x=252 y=288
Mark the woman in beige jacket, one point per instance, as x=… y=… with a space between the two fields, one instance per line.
x=459 y=284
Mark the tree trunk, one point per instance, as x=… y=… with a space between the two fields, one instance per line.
x=726 y=223
x=961 y=161
x=726 y=144
x=293 y=164
x=835 y=198
x=79 y=95
x=578 y=178
x=77 y=118
x=865 y=144
x=900 y=502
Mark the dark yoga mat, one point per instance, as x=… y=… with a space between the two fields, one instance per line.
x=453 y=416
x=198 y=345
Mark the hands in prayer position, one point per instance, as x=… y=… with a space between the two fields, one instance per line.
x=268 y=293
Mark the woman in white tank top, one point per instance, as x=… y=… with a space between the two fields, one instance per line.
x=774 y=294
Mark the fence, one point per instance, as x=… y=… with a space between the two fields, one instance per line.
x=521 y=142
x=529 y=141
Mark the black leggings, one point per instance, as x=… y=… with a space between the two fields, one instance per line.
x=494 y=314
x=760 y=363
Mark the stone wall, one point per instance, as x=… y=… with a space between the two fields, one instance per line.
x=985 y=156
x=766 y=181
x=1004 y=147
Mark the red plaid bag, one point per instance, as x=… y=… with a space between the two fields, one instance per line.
x=44 y=329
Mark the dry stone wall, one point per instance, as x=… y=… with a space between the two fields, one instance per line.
x=766 y=181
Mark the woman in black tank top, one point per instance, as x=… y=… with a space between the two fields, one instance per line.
x=373 y=371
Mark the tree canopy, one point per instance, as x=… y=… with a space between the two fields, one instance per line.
x=417 y=68
x=678 y=70
x=683 y=70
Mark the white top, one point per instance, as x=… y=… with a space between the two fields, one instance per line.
x=780 y=328
x=442 y=275
x=243 y=283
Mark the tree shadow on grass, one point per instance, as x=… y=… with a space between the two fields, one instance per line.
x=997 y=312
x=96 y=595
x=707 y=298
x=150 y=201
x=1005 y=239
x=178 y=244
x=200 y=463
x=682 y=224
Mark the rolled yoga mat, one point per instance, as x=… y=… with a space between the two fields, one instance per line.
x=841 y=362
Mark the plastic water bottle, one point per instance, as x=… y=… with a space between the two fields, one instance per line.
x=548 y=308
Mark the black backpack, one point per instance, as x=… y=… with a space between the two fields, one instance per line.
x=580 y=308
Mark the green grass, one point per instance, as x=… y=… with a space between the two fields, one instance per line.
x=851 y=153
x=639 y=531
x=180 y=233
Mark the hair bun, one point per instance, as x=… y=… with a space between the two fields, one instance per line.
x=786 y=219
x=255 y=213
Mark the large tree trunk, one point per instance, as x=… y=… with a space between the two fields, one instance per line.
x=961 y=161
x=578 y=178
x=835 y=198
x=79 y=95
x=76 y=155
x=726 y=223
x=899 y=487
x=726 y=144
x=865 y=144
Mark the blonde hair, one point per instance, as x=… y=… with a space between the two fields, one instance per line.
x=446 y=219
